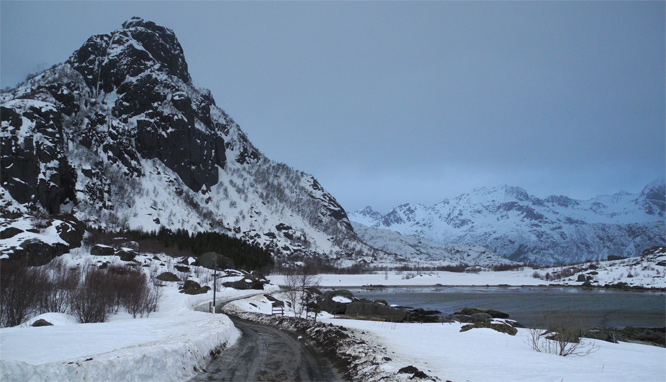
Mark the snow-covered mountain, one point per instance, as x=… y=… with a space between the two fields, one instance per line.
x=518 y=226
x=421 y=252
x=120 y=137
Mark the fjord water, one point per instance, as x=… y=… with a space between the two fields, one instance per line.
x=527 y=305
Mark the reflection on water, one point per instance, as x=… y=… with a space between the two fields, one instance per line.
x=527 y=305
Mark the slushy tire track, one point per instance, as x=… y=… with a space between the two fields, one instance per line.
x=265 y=353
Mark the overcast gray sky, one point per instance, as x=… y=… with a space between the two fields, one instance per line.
x=394 y=102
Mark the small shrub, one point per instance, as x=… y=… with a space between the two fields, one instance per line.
x=562 y=336
x=94 y=298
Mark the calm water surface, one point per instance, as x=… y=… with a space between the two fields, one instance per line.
x=528 y=304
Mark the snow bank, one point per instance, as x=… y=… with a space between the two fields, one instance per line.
x=169 y=345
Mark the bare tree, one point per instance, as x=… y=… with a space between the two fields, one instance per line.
x=21 y=290
x=563 y=335
x=297 y=284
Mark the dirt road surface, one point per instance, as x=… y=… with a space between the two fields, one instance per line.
x=264 y=353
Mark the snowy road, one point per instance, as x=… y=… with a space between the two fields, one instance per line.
x=264 y=353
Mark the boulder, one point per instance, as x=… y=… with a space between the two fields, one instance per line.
x=335 y=301
x=41 y=322
x=193 y=287
x=366 y=308
x=247 y=282
x=167 y=276
x=71 y=231
x=182 y=268
x=499 y=327
x=102 y=250
x=420 y=314
x=126 y=254
x=491 y=312
x=9 y=232
x=36 y=252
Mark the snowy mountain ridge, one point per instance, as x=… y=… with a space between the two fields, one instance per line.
x=421 y=252
x=518 y=226
x=119 y=137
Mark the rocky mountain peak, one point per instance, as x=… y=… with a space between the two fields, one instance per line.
x=108 y=60
x=653 y=198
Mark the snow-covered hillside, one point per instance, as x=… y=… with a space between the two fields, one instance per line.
x=421 y=252
x=521 y=227
x=120 y=137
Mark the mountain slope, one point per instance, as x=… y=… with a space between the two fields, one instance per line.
x=521 y=227
x=421 y=252
x=119 y=136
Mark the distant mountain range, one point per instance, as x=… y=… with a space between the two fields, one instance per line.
x=518 y=226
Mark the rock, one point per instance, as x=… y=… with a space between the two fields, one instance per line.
x=35 y=169
x=41 y=322
x=126 y=254
x=491 y=312
x=167 y=276
x=500 y=327
x=365 y=308
x=182 y=268
x=36 y=252
x=102 y=250
x=71 y=231
x=313 y=291
x=9 y=232
x=416 y=373
x=193 y=287
x=481 y=317
x=247 y=282
x=326 y=301
x=422 y=315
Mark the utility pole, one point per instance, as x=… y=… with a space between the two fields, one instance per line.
x=214 y=284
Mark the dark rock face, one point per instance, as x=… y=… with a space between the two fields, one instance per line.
x=71 y=231
x=158 y=45
x=142 y=63
x=35 y=168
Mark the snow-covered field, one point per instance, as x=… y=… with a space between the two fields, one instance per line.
x=486 y=355
x=480 y=355
x=407 y=278
x=635 y=271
